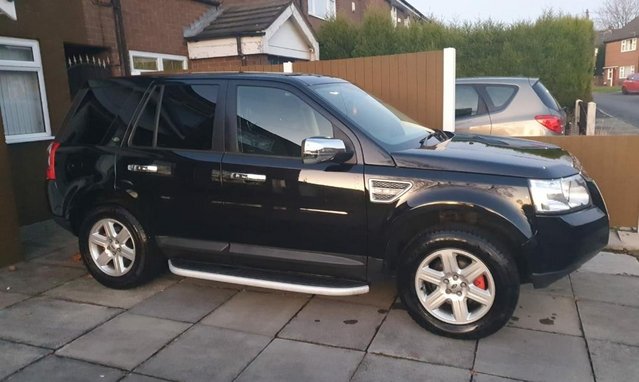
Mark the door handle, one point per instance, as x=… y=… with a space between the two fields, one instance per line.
x=142 y=168
x=248 y=178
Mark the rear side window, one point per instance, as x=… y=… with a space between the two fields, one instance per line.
x=499 y=96
x=466 y=101
x=545 y=96
x=102 y=113
x=178 y=117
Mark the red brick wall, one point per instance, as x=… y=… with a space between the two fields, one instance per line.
x=211 y=64
x=614 y=57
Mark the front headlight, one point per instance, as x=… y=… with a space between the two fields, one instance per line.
x=556 y=195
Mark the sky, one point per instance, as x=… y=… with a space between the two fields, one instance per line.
x=507 y=11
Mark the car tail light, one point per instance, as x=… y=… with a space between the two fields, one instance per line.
x=53 y=147
x=551 y=122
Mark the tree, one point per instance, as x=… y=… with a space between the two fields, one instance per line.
x=614 y=14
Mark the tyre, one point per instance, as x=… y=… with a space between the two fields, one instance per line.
x=624 y=90
x=458 y=282
x=116 y=249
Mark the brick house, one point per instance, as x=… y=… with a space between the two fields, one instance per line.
x=622 y=55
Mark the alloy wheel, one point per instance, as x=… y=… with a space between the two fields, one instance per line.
x=112 y=247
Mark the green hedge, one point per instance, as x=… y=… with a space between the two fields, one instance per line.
x=557 y=48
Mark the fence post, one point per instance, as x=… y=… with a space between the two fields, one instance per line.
x=591 y=116
x=448 y=106
x=577 y=112
x=288 y=67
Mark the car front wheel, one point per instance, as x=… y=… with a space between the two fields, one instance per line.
x=458 y=282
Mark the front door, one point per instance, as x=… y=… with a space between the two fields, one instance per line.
x=170 y=165
x=281 y=213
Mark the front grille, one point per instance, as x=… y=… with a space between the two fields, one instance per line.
x=387 y=191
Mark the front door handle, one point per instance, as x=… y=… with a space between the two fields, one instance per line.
x=248 y=178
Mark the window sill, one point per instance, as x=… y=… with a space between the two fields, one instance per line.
x=11 y=139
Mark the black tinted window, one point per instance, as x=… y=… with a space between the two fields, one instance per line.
x=181 y=115
x=273 y=121
x=100 y=115
x=500 y=95
x=545 y=96
x=466 y=101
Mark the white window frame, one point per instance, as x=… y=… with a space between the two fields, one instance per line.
x=622 y=72
x=158 y=58
x=629 y=45
x=332 y=9
x=625 y=71
x=34 y=66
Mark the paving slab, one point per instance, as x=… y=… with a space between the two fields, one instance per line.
x=402 y=337
x=133 y=377
x=560 y=287
x=382 y=294
x=86 y=289
x=285 y=360
x=34 y=278
x=547 y=313
x=213 y=284
x=380 y=368
x=183 y=302
x=614 y=362
x=612 y=263
x=50 y=323
x=205 y=353
x=611 y=322
x=58 y=369
x=479 y=377
x=335 y=323
x=68 y=256
x=7 y=299
x=255 y=312
x=125 y=341
x=622 y=290
x=531 y=355
x=14 y=357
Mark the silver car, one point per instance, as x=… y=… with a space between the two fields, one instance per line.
x=507 y=106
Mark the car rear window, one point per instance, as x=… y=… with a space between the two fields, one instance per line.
x=99 y=114
x=545 y=96
x=500 y=95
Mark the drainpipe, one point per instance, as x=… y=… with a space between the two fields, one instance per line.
x=120 y=37
x=238 y=39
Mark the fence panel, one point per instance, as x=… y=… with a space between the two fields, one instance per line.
x=612 y=162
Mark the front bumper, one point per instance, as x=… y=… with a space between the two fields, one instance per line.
x=563 y=243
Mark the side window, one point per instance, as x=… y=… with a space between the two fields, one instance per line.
x=466 y=101
x=178 y=117
x=273 y=121
x=500 y=95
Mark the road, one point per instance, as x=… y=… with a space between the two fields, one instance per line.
x=617 y=105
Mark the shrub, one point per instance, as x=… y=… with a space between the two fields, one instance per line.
x=558 y=49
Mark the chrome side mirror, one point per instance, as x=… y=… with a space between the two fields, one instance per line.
x=320 y=149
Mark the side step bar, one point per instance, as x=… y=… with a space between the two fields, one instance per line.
x=269 y=280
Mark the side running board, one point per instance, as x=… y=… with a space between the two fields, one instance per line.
x=267 y=279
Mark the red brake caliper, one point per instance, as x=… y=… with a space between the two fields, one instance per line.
x=480 y=282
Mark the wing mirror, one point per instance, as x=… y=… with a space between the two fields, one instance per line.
x=320 y=149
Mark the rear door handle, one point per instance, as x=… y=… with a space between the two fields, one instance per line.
x=248 y=178
x=150 y=169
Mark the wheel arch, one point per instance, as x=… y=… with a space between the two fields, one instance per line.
x=83 y=202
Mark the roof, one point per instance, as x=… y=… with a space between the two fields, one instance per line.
x=243 y=20
x=409 y=7
x=629 y=30
x=299 y=78
x=497 y=80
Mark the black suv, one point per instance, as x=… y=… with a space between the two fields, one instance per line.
x=306 y=183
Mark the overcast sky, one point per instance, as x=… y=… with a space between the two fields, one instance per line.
x=500 y=10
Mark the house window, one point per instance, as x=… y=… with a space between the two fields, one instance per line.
x=153 y=62
x=23 y=99
x=625 y=71
x=323 y=9
x=629 y=45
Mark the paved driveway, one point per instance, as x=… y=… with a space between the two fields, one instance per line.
x=58 y=324
x=619 y=106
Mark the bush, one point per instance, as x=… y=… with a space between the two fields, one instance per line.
x=558 y=49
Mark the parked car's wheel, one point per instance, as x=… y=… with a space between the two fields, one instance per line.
x=116 y=249
x=458 y=282
x=624 y=90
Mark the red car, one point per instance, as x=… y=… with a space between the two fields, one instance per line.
x=630 y=84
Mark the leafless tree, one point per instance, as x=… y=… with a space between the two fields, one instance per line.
x=614 y=14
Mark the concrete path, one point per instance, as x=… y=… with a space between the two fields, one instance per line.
x=58 y=324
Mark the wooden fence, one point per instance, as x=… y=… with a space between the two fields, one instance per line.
x=412 y=83
x=612 y=162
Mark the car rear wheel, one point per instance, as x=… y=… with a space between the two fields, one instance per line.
x=624 y=90
x=116 y=249
x=458 y=282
